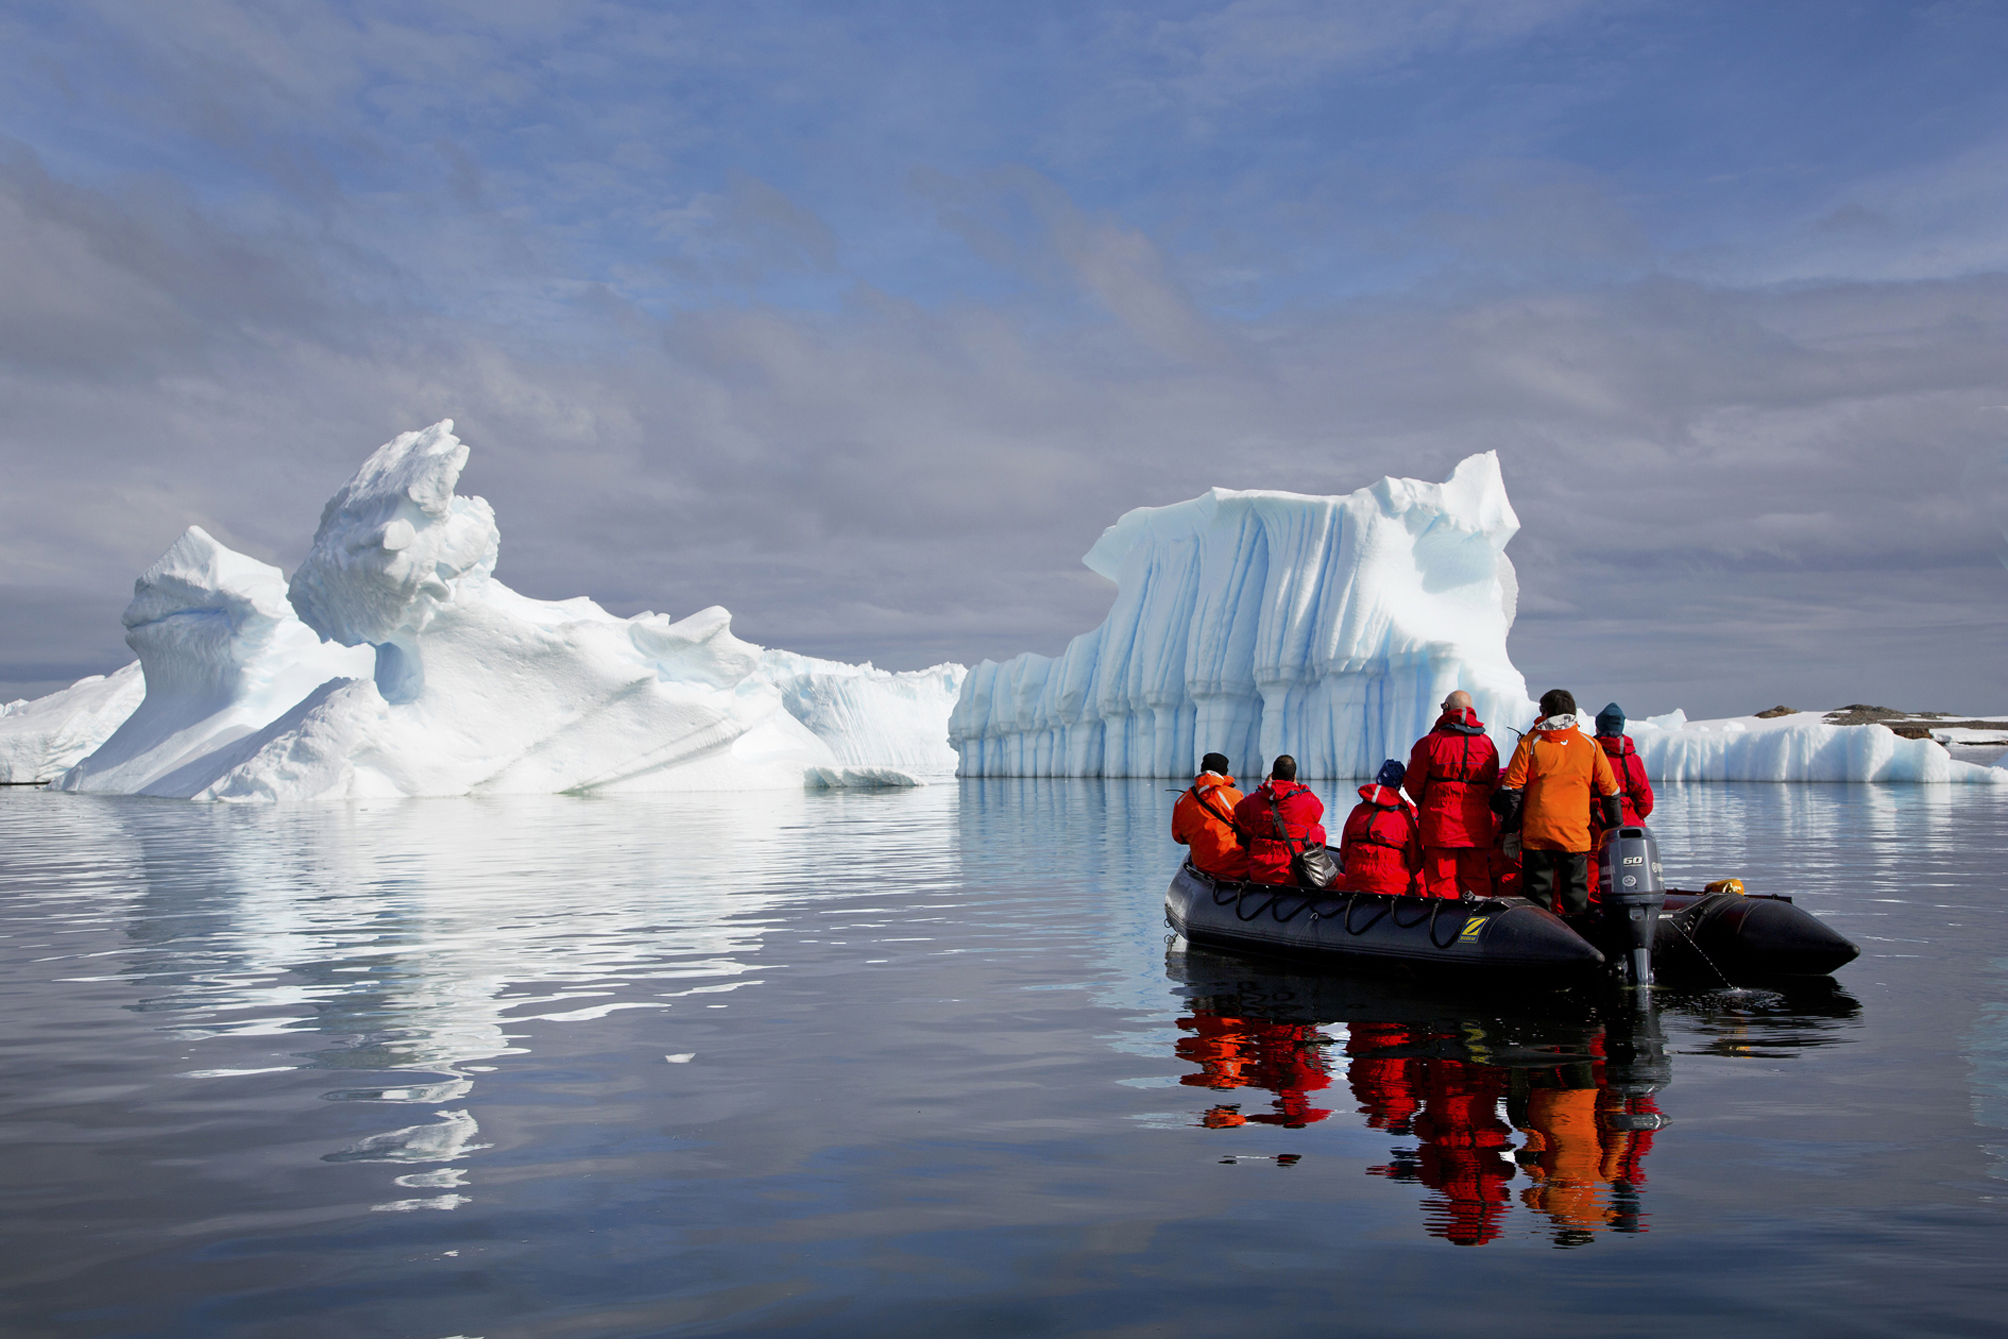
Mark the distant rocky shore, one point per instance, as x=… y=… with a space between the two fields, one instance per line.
x=1907 y=724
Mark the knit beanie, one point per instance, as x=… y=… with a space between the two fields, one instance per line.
x=1611 y=720
x=1391 y=773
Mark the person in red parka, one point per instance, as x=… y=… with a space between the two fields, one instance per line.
x=1276 y=821
x=1452 y=772
x=1634 y=790
x=1381 y=847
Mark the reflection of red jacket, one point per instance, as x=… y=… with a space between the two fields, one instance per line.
x=1381 y=847
x=1268 y=854
x=1463 y=1151
x=1255 y=1053
x=1452 y=772
x=1634 y=791
x=1384 y=1084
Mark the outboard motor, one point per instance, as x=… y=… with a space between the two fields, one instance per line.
x=1633 y=893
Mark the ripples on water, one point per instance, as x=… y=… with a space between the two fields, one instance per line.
x=914 y=1062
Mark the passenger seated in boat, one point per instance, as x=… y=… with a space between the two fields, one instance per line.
x=1203 y=819
x=1381 y=846
x=1546 y=794
x=1276 y=821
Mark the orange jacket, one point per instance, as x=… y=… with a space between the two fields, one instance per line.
x=1203 y=819
x=1558 y=769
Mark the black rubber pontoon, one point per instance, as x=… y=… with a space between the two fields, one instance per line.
x=1492 y=935
x=1745 y=937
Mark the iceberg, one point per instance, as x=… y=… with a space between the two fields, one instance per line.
x=43 y=738
x=1256 y=623
x=395 y=663
x=1799 y=747
x=1259 y=623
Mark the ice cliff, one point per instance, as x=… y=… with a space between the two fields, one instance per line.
x=1258 y=623
x=395 y=663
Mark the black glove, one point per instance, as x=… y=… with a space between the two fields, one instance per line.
x=1506 y=804
x=1614 y=811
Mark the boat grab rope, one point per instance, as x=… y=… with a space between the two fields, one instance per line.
x=1352 y=898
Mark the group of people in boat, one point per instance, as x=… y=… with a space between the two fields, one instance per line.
x=1448 y=823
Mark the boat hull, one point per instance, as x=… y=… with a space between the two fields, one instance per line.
x=1490 y=936
x=1745 y=938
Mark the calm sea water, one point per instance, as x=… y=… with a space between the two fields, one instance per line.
x=924 y=1063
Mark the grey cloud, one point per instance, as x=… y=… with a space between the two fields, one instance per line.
x=1763 y=487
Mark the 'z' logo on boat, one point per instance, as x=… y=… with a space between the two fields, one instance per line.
x=1471 y=928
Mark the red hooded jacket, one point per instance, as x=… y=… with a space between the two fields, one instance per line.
x=1452 y=772
x=1381 y=847
x=1268 y=854
x=1634 y=791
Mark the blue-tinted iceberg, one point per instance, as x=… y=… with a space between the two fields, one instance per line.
x=1258 y=623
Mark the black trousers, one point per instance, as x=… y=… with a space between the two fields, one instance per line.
x=1557 y=880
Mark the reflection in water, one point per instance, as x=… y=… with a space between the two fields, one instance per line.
x=1552 y=1096
x=409 y=941
x=1255 y=1053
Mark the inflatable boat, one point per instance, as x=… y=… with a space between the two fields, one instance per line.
x=1642 y=930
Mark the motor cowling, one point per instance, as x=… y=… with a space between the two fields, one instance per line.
x=1633 y=891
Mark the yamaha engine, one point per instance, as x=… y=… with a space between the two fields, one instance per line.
x=1633 y=893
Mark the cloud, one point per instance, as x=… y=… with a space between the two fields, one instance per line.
x=880 y=405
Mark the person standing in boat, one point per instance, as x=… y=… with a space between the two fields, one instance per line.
x=1276 y=822
x=1381 y=844
x=1452 y=772
x=1634 y=790
x=1546 y=793
x=1203 y=819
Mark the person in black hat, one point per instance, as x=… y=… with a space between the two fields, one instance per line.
x=1634 y=790
x=1381 y=846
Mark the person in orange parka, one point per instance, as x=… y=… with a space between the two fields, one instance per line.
x=1634 y=790
x=1203 y=819
x=1278 y=820
x=1546 y=790
x=1381 y=846
x=1452 y=772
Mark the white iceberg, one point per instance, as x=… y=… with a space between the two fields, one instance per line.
x=43 y=738
x=435 y=678
x=1258 y=623
x=1798 y=747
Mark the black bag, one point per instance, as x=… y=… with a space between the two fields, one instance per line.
x=1311 y=864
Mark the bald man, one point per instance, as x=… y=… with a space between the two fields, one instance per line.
x=1452 y=772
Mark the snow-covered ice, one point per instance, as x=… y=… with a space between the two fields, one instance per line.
x=43 y=738
x=397 y=664
x=1799 y=747
x=1258 y=623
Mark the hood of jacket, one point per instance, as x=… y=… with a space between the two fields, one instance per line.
x=1555 y=725
x=1618 y=746
x=1376 y=794
x=1463 y=721
x=1212 y=779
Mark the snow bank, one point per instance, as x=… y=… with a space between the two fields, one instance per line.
x=41 y=739
x=1258 y=623
x=1799 y=747
x=396 y=664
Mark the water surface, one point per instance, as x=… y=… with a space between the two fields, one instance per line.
x=924 y=1062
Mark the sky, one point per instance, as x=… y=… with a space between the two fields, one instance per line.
x=863 y=320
